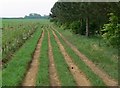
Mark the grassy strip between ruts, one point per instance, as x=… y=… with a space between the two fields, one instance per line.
x=103 y=56
x=43 y=73
x=64 y=74
x=0 y=78
x=95 y=80
x=15 y=70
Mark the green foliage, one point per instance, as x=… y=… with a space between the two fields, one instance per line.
x=70 y=12
x=112 y=31
x=75 y=26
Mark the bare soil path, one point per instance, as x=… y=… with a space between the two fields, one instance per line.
x=30 y=77
x=105 y=77
x=78 y=75
x=54 y=80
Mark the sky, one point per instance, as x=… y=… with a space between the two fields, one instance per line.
x=20 y=8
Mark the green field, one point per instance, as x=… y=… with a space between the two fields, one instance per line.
x=19 y=41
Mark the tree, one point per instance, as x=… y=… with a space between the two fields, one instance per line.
x=36 y=16
x=91 y=16
x=33 y=16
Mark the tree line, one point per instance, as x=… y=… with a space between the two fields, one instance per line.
x=88 y=18
x=36 y=16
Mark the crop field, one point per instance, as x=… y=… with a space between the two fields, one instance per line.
x=39 y=53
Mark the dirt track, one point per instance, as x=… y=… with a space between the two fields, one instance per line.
x=105 y=77
x=78 y=75
x=30 y=77
x=54 y=80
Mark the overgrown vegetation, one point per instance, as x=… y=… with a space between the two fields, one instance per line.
x=14 y=71
x=14 y=34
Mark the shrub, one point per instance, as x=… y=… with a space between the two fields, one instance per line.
x=112 y=31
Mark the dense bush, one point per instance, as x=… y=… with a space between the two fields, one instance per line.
x=75 y=27
x=112 y=31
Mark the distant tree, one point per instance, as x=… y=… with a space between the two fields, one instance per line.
x=36 y=16
x=33 y=16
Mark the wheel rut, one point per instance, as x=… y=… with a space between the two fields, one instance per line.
x=54 y=80
x=78 y=75
x=30 y=77
x=105 y=77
